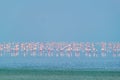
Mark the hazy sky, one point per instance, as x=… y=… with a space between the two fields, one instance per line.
x=59 y=20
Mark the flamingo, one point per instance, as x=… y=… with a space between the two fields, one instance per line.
x=1 y=48
x=77 y=53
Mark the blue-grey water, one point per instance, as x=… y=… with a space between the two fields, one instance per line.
x=43 y=62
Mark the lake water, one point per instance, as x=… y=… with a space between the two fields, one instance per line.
x=42 y=62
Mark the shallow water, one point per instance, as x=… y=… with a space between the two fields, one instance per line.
x=82 y=62
x=36 y=74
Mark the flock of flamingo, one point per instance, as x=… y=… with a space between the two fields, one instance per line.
x=68 y=49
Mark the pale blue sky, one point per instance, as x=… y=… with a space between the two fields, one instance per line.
x=59 y=20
